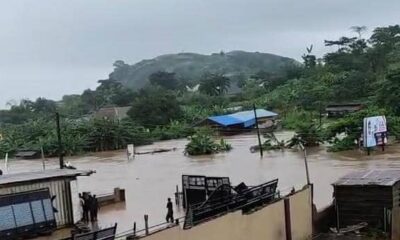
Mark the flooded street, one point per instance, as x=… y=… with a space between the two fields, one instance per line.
x=150 y=179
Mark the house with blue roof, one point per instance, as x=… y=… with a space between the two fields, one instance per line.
x=241 y=121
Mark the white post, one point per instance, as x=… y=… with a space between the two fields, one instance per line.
x=130 y=151
x=6 y=162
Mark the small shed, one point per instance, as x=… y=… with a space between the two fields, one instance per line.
x=339 y=110
x=370 y=196
x=60 y=183
x=28 y=154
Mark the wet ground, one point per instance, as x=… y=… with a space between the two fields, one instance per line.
x=150 y=179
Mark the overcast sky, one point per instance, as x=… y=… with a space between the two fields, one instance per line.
x=54 y=47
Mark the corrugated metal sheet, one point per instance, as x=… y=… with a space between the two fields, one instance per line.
x=381 y=177
x=245 y=117
x=225 y=120
x=58 y=188
x=17 y=178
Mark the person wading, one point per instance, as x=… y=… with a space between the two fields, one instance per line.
x=170 y=213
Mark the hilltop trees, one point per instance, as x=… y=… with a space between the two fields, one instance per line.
x=165 y=80
x=155 y=106
x=214 y=84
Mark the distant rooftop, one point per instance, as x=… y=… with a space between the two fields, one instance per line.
x=41 y=175
x=112 y=113
x=382 y=177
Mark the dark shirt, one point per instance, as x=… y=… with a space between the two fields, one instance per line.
x=170 y=207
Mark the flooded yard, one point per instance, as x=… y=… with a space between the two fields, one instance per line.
x=150 y=179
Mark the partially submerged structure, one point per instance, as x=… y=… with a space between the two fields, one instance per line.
x=197 y=189
x=36 y=202
x=370 y=196
x=224 y=198
x=340 y=110
x=27 y=154
x=241 y=121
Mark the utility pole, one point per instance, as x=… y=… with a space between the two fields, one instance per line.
x=60 y=148
x=258 y=131
x=305 y=162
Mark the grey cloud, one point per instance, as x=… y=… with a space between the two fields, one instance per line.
x=56 y=47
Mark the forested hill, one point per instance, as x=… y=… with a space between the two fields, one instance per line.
x=237 y=65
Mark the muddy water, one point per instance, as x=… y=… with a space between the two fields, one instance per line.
x=150 y=179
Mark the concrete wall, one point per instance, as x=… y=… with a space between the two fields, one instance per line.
x=267 y=223
x=301 y=210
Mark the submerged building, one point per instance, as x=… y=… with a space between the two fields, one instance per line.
x=241 y=121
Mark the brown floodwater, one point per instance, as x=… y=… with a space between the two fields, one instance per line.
x=150 y=179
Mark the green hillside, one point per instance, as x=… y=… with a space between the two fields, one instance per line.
x=191 y=66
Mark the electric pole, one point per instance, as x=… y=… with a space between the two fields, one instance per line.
x=60 y=147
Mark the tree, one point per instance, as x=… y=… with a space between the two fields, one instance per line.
x=165 y=80
x=155 y=106
x=202 y=143
x=359 y=30
x=91 y=99
x=308 y=133
x=214 y=84
x=44 y=106
x=309 y=60
x=268 y=80
x=124 y=97
x=73 y=106
x=389 y=94
x=384 y=40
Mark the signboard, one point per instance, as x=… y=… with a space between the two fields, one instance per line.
x=374 y=131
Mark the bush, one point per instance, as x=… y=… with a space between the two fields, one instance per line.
x=202 y=143
x=344 y=144
x=174 y=130
x=293 y=119
x=308 y=133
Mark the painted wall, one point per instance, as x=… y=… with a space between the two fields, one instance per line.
x=267 y=223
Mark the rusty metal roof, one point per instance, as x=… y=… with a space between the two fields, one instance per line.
x=17 y=178
x=381 y=177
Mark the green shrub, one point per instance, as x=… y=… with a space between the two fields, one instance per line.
x=202 y=143
x=344 y=144
x=293 y=119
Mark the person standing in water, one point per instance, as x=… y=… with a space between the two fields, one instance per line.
x=170 y=213
x=95 y=207
x=84 y=206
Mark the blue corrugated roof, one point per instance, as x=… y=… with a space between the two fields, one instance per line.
x=245 y=117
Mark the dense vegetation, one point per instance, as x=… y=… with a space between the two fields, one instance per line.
x=203 y=143
x=168 y=104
